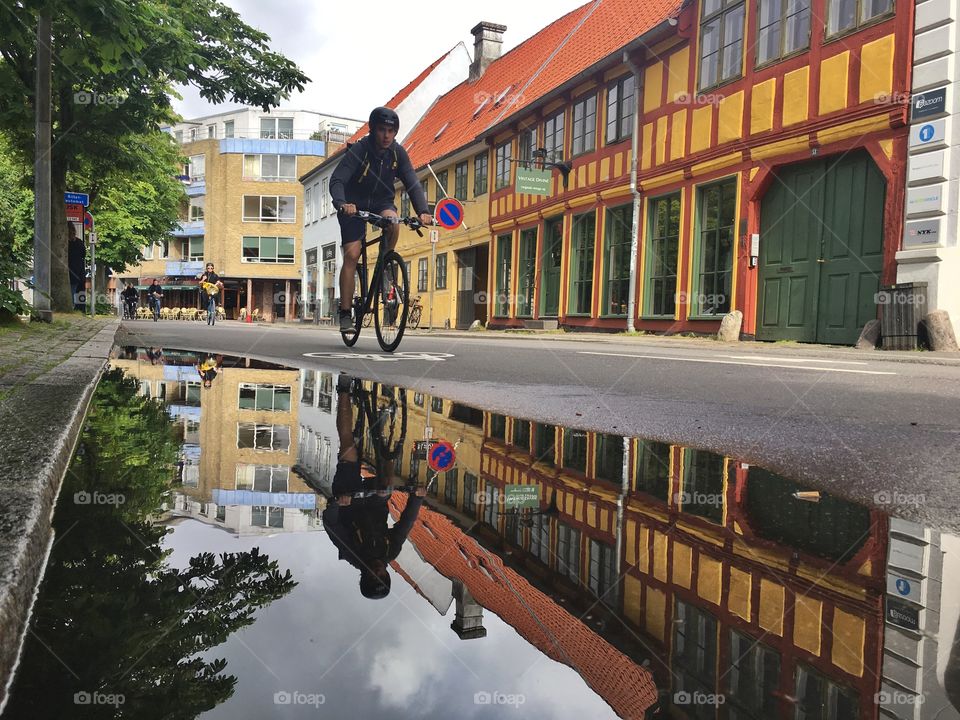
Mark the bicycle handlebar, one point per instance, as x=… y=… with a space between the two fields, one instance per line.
x=380 y=221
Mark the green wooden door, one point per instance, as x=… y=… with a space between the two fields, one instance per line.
x=550 y=268
x=821 y=230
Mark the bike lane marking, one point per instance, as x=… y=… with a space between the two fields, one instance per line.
x=374 y=357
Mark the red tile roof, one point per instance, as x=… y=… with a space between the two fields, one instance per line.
x=405 y=91
x=553 y=56
x=626 y=686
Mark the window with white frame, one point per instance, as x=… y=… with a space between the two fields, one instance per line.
x=585 y=125
x=270 y=167
x=315 y=200
x=194 y=133
x=281 y=128
x=196 y=208
x=147 y=252
x=270 y=208
x=422 y=269
x=164 y=249
x=178 y=135
x=195 y=248
x=308 y=205
x=258 y=249
x=266 y=517
x=263 y=478
x=197 y=167
x=211 y=131
x=259 y=436
x=255 y=396
x=228 y=128
x=325 y=199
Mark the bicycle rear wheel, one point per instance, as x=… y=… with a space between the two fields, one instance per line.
x=414 y=320
x=391 y=301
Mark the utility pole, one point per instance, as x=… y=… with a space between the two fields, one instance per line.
x=41 y=189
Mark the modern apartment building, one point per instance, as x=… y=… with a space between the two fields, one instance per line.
x=245 y=208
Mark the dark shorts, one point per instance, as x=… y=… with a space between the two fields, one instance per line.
x=354 y=228
x=347 y=479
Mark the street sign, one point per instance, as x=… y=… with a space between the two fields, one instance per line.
x=902 y=615
x=442 y=456
x=74 y=198
x=87 y=221
x=533 y=182
x=521 y=497
x=74 y=212
x=906 y=588
x=449 y=213
x=434 y=236
x=421 y=448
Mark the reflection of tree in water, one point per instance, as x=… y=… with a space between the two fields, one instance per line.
x=112 y=616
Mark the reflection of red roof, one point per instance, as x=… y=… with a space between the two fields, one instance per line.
x=628 y=688
x=554 y=55
x=405 y=92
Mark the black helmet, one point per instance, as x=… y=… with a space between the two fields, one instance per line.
x=383 y=116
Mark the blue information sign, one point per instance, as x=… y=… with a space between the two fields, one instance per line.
x=74 y=198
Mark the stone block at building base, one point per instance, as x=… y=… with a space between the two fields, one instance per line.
x=730 y=327
x=869 y=336
x=940 y=332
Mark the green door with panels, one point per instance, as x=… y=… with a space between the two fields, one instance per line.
x=821 y=250
x=550 y=268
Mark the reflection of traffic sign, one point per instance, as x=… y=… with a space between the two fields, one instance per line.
x=442 y=456
x=421 y=448
x=73 y=198
x=74 y=212
x=449 y=213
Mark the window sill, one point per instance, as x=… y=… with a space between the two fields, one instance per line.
x=720 y=85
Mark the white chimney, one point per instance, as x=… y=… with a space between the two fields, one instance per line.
x=487 y=39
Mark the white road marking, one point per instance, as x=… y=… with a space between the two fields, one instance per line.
x=797 y=360
x=374 y=357
x=732 y=362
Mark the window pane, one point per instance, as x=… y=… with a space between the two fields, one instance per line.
x=268 y=208
x=268 y=248
x=842 y=15
x=269 y=166
x=251 y=247
x=285 y=249
x=251 y=207
x=285 y=128
x=267 y=128
x=870 y=9
x=288 y=166
x=797 y=32
x=287 y=207
x=247 y=397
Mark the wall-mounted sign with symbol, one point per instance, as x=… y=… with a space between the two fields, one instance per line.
x=449 y=213
x=908 y=589
x=442 y=456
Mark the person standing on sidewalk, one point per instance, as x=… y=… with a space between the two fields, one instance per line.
x=211 y=284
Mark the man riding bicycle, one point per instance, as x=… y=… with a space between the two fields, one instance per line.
x=364 y=180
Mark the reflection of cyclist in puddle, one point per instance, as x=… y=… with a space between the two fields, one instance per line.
x=358 y=525
x=209 y=368
x=155 y=355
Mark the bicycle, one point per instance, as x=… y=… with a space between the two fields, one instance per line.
x=390 y=306
x=416 y=311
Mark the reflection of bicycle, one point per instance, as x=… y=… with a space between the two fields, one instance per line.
x=381 y=420
x=416 y=311
x=389 y=305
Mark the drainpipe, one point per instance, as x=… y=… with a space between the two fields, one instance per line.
x=635 y=233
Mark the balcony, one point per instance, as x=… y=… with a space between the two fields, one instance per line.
x=196 y=187
x=189 y=228
x=273 y=146
x=189 y=268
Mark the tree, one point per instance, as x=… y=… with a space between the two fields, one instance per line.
x=112 y=615
x=137 y=206
x=115 y=63
x=16 y=228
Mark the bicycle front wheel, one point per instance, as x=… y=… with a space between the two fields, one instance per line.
x=414 y=320
x=391 y=301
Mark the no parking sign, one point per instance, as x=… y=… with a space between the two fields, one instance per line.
x=449 y=213
x=442 y=456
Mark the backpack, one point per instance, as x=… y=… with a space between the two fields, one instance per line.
x=365 y=162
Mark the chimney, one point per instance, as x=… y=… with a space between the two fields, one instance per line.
x=487 y=39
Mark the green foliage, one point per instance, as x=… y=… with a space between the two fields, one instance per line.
x=16 y=229
x=111 y=609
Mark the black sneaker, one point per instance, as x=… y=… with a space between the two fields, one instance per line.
x=346 y=322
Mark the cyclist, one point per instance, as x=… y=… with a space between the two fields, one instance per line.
x=130 y=296
x=358 y=527
x=364 y=180
x=155 y=297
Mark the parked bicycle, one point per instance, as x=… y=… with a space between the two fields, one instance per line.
x=389 y=305
x=416 y=311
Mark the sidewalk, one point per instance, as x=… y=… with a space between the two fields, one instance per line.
x=29 y=350
x=663 y=342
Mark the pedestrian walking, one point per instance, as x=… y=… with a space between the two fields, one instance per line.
x=211 y=284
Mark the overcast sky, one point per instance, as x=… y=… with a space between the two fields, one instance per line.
x=359 y=53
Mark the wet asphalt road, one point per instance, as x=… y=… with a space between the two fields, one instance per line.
x=874 y=430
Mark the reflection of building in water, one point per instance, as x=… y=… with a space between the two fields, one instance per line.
x=744 y=590
x=239 y=442
x=317 y=439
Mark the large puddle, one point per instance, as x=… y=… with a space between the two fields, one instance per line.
x=212 y=558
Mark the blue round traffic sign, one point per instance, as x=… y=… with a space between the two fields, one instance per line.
x=442 y=456
x=449 y=213
x=903 y=587
x=926 y=133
